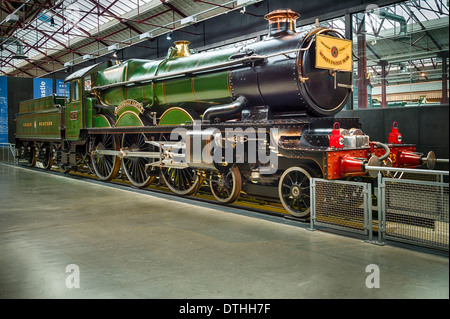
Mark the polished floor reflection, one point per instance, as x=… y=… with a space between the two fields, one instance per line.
x=57 y=232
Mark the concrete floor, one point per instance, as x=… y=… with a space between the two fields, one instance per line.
x=128 y=244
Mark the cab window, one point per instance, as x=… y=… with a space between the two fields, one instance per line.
x=75 y=91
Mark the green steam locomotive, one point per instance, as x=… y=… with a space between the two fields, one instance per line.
x=275 y=98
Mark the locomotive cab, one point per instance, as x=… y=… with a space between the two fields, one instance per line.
x=79 y=104
x=74 y=110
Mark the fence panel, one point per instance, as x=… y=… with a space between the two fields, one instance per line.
x=416 y=211
x=8 y=153
x=341 y=204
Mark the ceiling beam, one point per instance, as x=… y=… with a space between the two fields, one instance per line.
x=75 y=26
x=423 y=27
x=16 y=68
x=173 y=8
x=123 y=21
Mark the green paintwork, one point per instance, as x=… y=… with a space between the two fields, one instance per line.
x=42 y=124
x=129 y=108
x=175 y=117
x=81 y=113
x=101 y=121
x=40 y=104
x=129 y=118
x=89 y=112
x=196 y=93
x=74 y=114
x=39 y=118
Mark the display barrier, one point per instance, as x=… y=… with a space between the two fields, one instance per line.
x=8 y=153
x=341 y=204
x=412 y=206
x=415 y=208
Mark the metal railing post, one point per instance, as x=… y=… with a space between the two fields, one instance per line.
x=312 y=192
x=381 y=201
x=368 y=210
x=441 y=203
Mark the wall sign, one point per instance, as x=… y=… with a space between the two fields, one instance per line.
x=42 y=87
x=62 y=89
x=3 y=110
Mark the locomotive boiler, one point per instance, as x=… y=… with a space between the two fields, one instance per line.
x=255 y=120
x=279 y=73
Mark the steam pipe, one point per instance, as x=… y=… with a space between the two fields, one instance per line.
x=386 y=148
x=227 y=111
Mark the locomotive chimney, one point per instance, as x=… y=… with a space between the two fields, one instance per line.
x=281 y=22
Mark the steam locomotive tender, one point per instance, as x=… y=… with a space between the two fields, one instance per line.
x=279 y=94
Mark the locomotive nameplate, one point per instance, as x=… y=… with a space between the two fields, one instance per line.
x=127 y=104
x=333 y=53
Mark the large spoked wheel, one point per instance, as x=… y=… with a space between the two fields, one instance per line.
x=105 y=166
x=47 y=158
x=30 y=155
x=134 y=167
x=294 y=192
x=181 y=181
x=226 y=187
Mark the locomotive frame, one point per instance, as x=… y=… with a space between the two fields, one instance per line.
x=271 y=94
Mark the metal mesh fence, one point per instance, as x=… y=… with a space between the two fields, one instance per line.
x=413 y=176
x=417 y=211
x=341 y=204
x=7 y=153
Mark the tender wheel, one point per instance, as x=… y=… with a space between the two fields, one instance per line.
x=183 y=181
x=134 y=167
x=105 y=166
x=294 y=192
x=226 y=187
x=30 y=155
x=48 y=157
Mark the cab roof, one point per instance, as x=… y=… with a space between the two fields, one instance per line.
x=89 y=69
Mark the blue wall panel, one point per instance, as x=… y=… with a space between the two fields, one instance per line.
x=3 y=110
x=42 y=87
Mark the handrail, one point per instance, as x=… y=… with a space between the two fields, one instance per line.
x=406 y=170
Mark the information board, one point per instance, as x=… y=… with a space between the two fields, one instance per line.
x=62 y=89
x=3 y=110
